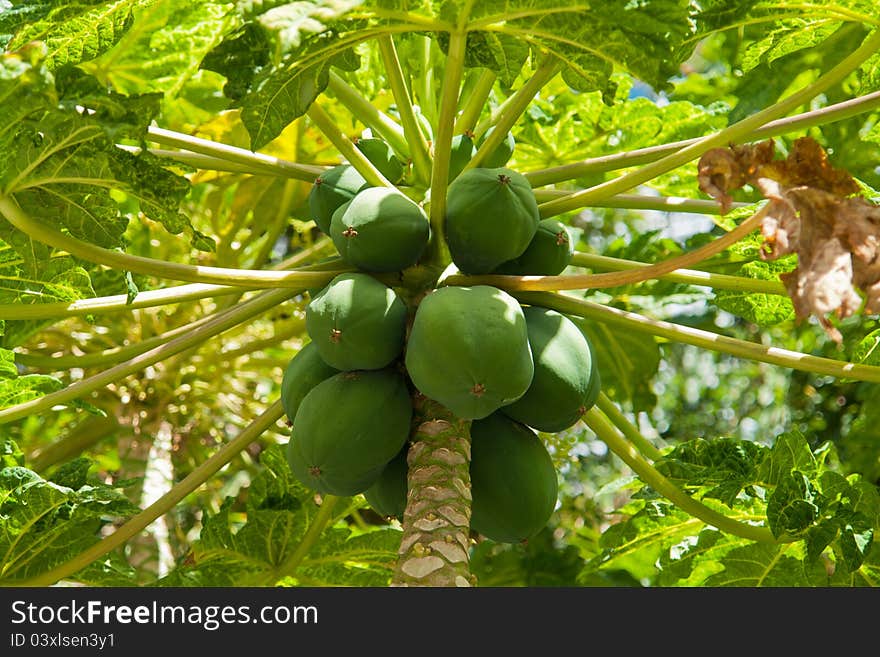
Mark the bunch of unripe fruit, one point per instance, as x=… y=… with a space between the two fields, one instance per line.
x=511 y=370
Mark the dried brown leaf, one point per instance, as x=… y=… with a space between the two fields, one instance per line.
x=811 y=211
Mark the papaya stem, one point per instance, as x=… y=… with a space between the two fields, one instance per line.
x=87 y=433
x=473 y=106
x=434 y=549
x=411 y=129
x=686 y=276
x=161 y=506
x=346 y=146
x=602 y=427
x=613 y=279
x=733 y=133
x=511 y=111
x=115 y=355
x=212 y=163
x=645 y=202
x=112 y=303
x=379 y=122
x=107 y=356
x=257 y=163
x=604 y=163
x=627 y=428
x=160 y=268
x=147 y=299
x=630 y=321
x=219 y=323
x=443 y=138
x=425 y=83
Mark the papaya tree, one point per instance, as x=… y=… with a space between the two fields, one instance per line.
x=439 y=293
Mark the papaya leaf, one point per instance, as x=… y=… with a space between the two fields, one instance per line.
x=26 y=387
x=693 y=557
x=642 y=38
x=727 y=466
x=164 y=51
x=279 y=63
x=66 y=167
x=806 y=32
x=283 y=93
x=8 y=370
x=790 y=452
x=537 y=562
x=59 y=278
x=10 y=454
x=43 y=523
x=658 y=541
x=239 y=57
x=770 y=67
x=867 y=351
x=74 y=32
x=278 y=511
x=342 y=557
x=764 y=565
x=761 y=309
x=792 y=506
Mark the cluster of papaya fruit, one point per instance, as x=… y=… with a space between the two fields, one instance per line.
x=512 y=370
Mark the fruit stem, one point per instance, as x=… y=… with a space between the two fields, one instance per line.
x=630 y=321
x=627 y=428
x=443 y=138
x=113 y=303
x=147 y=299
x=247 y=278
x=346 y=146
x=686 y=276
x=510 y=113
x=606 y=432
x=219 y=323
x=425 y=83
x=157 y=509
x=256 y=162
x=473 y=107
x=614 y=279
x=411 y=129
x=434 y=549
x=645 y=202
x=837 y=112
x=379 y=122
x=76 y=441
x=731 y=134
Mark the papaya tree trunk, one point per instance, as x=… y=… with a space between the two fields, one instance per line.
x=436 y=523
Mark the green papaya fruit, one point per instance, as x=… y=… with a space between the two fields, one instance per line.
x=380 y=153
x=304 y=371
x=468 y=349
x=513 y=481
x=502 y=153
x=491 y=217
x=462 y=151
x=332 y=188
x=347 y=428
x=357 y=323
x=388 y=495
x=380 y=230
x=548 y=254
x=557 y=396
